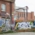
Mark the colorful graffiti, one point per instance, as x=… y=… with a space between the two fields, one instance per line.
x=24 y=25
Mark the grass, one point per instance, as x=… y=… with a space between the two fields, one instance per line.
x=14 y=32
x=7 y=32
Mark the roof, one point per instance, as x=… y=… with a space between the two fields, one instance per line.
x=9 y=0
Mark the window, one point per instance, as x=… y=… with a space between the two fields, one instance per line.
x=3 y=7
x=22 y=14
x=18 y=15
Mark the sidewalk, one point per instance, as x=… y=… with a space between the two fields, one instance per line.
x=20 y=33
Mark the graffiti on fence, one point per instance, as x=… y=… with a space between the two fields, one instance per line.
x=24 y=25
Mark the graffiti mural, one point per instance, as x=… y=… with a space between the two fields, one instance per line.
x=24 y=25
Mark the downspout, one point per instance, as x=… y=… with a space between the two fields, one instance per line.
x=10 y=14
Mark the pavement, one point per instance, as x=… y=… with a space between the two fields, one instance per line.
x=20 y=33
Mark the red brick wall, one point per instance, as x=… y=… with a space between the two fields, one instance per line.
x=21 y=15
x=7 y=6
x=30 y=16
x=13 y=7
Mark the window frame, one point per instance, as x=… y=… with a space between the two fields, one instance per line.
x=3 y=2
x=3 y=10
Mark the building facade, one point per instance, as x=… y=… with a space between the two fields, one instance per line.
x=24 y=22
x=21 y=16
x=6 y=9
x=24 y=15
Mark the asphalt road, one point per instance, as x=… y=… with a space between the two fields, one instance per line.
x=20 y=33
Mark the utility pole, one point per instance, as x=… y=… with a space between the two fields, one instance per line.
x=26 y=12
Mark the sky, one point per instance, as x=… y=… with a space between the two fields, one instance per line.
x=23 y=3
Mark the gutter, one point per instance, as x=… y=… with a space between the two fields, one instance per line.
x=11 y=11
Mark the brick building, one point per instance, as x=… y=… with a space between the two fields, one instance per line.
x=21 y=16
x=6 y=9
x=24 y=20
x=24 y=16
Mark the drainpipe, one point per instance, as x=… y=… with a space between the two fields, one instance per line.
x=10 y=14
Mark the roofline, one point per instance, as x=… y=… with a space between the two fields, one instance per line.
x=8 y=0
